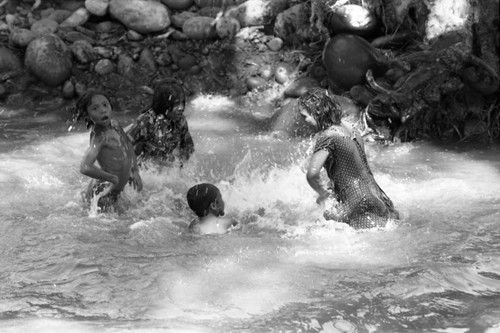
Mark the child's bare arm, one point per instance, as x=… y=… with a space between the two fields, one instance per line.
x=135 y=178
x=87 y=166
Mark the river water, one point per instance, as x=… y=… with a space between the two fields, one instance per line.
x=67 y=268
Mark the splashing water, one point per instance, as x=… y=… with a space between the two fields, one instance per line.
x=70 y=269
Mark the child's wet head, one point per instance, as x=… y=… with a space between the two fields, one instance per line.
x=85 y=102
x=169 y=99
x=205 y=198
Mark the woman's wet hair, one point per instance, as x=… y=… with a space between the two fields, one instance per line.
x=321 y=105
x=82 y=105
x=166 y=95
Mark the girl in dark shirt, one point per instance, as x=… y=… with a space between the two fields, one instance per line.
x=161 y=133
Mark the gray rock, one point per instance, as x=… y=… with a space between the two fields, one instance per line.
x=178 y=4
x=49 y=59
x=140 y=15
x=83 y=51
x=78 y=18
x=44 y=27
x=97 y=7
x=21 y=37
x=104 y=67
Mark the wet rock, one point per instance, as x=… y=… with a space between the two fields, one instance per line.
x=97 y=7
x=44 y=27
x=71 y=5
x=266 y=72
x=256 y=83
x=58 y=15
x=134 y=36
x=140 y=15
x=347 y=58
x=83 y=51
x=178 y=4
x=290 y=21
x=104 y=67
x=49 y=59
x=282 y=73
x=73 y=36
x=78 y=18
x=103 y=52
x=300 y=86
x=275 y=44
x=107 y=26
x=21 y=37
x=227 y=27
x=200 y=27
x=68 y=90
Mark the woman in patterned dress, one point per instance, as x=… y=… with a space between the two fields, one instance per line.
x=363 y=204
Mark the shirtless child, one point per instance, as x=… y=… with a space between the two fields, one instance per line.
x=110 y=147
x=207 y=203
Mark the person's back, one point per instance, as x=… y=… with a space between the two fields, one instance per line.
x=354 y=184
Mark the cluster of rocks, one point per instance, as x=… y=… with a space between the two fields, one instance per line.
x=69 y=46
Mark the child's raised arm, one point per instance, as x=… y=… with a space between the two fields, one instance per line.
x=87 y=166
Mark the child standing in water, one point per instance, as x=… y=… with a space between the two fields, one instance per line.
x=161 y=133
x=207 y=203
x=110 y=147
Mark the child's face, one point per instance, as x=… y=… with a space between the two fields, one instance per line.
x=99 y=110
x=307 y=117
x=178 y=110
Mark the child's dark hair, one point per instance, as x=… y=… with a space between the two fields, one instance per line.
x=82 y=104
x=166 y=95
x=200 y=197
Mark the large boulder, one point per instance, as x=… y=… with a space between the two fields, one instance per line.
x=49 y=59
x=140 y=15
x=347 y=58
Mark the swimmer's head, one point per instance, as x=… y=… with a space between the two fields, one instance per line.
x=204 y=199
x=320 y=104
x=169 y=99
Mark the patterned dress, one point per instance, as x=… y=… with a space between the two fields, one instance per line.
x=156 y=137
x=363 y=203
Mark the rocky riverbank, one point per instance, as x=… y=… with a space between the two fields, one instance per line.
x=405 y=75
x=62 y=48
